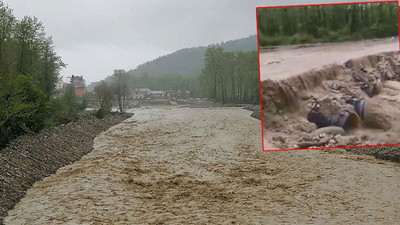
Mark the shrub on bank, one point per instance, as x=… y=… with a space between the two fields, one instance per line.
x=26 y=108
x=23 y=107
x=104 y=94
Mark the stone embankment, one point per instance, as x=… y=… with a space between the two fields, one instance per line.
x=32 y=157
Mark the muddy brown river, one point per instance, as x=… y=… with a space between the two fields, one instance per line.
x=175 y=165
x=289 y=61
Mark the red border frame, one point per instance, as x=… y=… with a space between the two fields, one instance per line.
x=259 y=71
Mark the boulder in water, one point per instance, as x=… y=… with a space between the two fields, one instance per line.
x=375 y=115
x=256 y=114
x=329 y=130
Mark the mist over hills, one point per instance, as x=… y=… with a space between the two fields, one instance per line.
x=187 y=62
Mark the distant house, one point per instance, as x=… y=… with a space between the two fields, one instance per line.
x=157 y=94
x=79 y=85
x=140 y=93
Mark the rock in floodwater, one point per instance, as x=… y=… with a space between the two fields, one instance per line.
x=345 y=140
x=329 y=130
x=375 y=115
x=279 y=139
x=377 y=87
x=306 y=127
x=256 y=114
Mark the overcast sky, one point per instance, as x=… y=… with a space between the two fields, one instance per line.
x=94 y=37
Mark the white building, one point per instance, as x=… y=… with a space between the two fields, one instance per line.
x=140 y=93
x=157 y=94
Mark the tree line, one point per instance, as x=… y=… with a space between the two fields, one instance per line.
x=119 y=86
x=227 y=77
x=230 y=77
x=29 y=72
x=327 y=23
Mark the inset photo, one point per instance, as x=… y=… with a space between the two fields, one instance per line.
x=329 y=75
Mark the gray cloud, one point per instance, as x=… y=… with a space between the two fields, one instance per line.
x=96 y=36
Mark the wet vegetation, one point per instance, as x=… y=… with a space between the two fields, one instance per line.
x=227 y=77
x=29 y=73
x=230 y=77
x=328 y=23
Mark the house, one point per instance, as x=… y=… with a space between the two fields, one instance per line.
x=140 y=93
x=79 y=85
x=157 y=94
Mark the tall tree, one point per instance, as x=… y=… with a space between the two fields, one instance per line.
x=30 y=37
x=29 y=72
x=104 y=95
x=51 y=67
x=230 y=76
x=7 y=22
x=121 y=87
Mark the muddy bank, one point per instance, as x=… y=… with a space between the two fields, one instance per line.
x=362 y=97
x=30 y=158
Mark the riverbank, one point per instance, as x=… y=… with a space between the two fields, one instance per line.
x=30 y=158
x=181 y=165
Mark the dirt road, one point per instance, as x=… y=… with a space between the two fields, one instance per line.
x=206 y=166
x=288 y=61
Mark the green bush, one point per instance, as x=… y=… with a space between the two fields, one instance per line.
x=23 y=108
x=64 y=109
x=302 y=39
x=270 y=41
x=105 y=96
x=322 y=32
x=332 y=36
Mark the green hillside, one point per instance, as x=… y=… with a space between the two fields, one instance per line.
x=186 y=62
x=190 y=61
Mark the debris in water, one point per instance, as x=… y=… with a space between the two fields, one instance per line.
x=337 y=105
x=329 y=113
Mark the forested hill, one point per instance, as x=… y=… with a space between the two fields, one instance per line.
x=190 y=61
x=186 y=62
